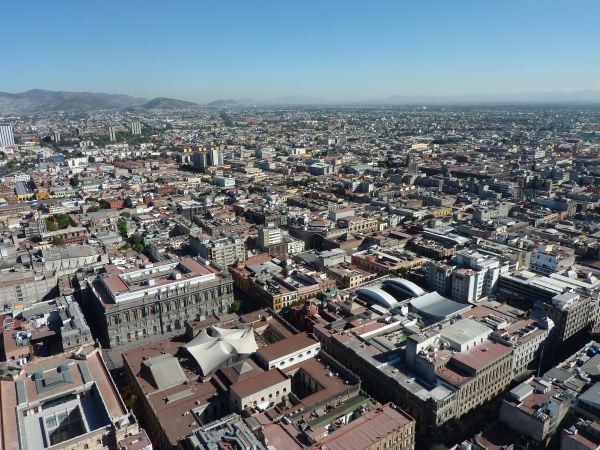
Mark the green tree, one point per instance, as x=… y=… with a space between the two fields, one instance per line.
x=51 y=225
x=125 y=214
x=75 y=181
x=58 y=241
x=137 y=243
x=235 y=306
x=122 y=227
x=63 y=220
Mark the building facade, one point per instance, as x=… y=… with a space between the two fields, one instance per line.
x=224 y=251
x=157 y=298
x=7 y=137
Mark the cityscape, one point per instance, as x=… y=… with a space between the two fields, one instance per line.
x=347 y=267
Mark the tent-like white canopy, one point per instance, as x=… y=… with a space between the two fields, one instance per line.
x=212 y=352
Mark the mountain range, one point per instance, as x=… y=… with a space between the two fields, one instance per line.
x=39 y=100
x=579 y=97
x=168 y=103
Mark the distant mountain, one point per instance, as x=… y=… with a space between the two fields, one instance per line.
x=38 y=100
x=297 y=100
x=288 y=100
x=222 y=103
x=579 y=97
x=168 y=103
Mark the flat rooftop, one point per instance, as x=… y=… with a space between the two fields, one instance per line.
x=182 y=397
x=54 y=383
x=286 y=346
x=369 y=429
x=121 y=285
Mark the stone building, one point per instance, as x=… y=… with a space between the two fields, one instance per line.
x=156 y=298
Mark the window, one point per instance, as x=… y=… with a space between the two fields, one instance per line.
x=51 y=422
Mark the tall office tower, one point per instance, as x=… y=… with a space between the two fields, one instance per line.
x=210 y=158
x=136 y=128
x=56 y=136
x=112 y=134
x=215 y=157
x=6 y=134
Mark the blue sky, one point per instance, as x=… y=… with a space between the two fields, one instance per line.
x=335 y=50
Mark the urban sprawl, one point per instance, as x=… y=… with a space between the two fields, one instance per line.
x=324 y=278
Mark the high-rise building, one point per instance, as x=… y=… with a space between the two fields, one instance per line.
x=224 y=251
x=269 y=235
x=136 y=128
x=6 y=135
x=112 y=134
x=210 y=158
x=56 y=136
x=215 y=157
x=438 y=277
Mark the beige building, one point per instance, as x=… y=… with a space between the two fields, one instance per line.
x=224 y=251
x=261 y=392
x=23 y=289
x=535 y=408
x=357 y=224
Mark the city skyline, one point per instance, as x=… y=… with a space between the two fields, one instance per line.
x=336 y=53
x=300 y=225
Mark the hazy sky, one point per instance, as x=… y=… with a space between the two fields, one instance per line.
x=336 y=50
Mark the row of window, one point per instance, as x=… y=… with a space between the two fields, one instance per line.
x=262 y=399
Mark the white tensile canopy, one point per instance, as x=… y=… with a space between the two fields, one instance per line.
x=211 y=352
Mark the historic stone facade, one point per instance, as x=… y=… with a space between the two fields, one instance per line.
x=161 y=304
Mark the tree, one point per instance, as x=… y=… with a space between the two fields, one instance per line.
x=129 y=397
x=58 y=241
x=75 y=181
x=235 y=306
x=122 y=227
x=51 y=225
x=125 y=214
x=63 y=220
x=137 y=243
